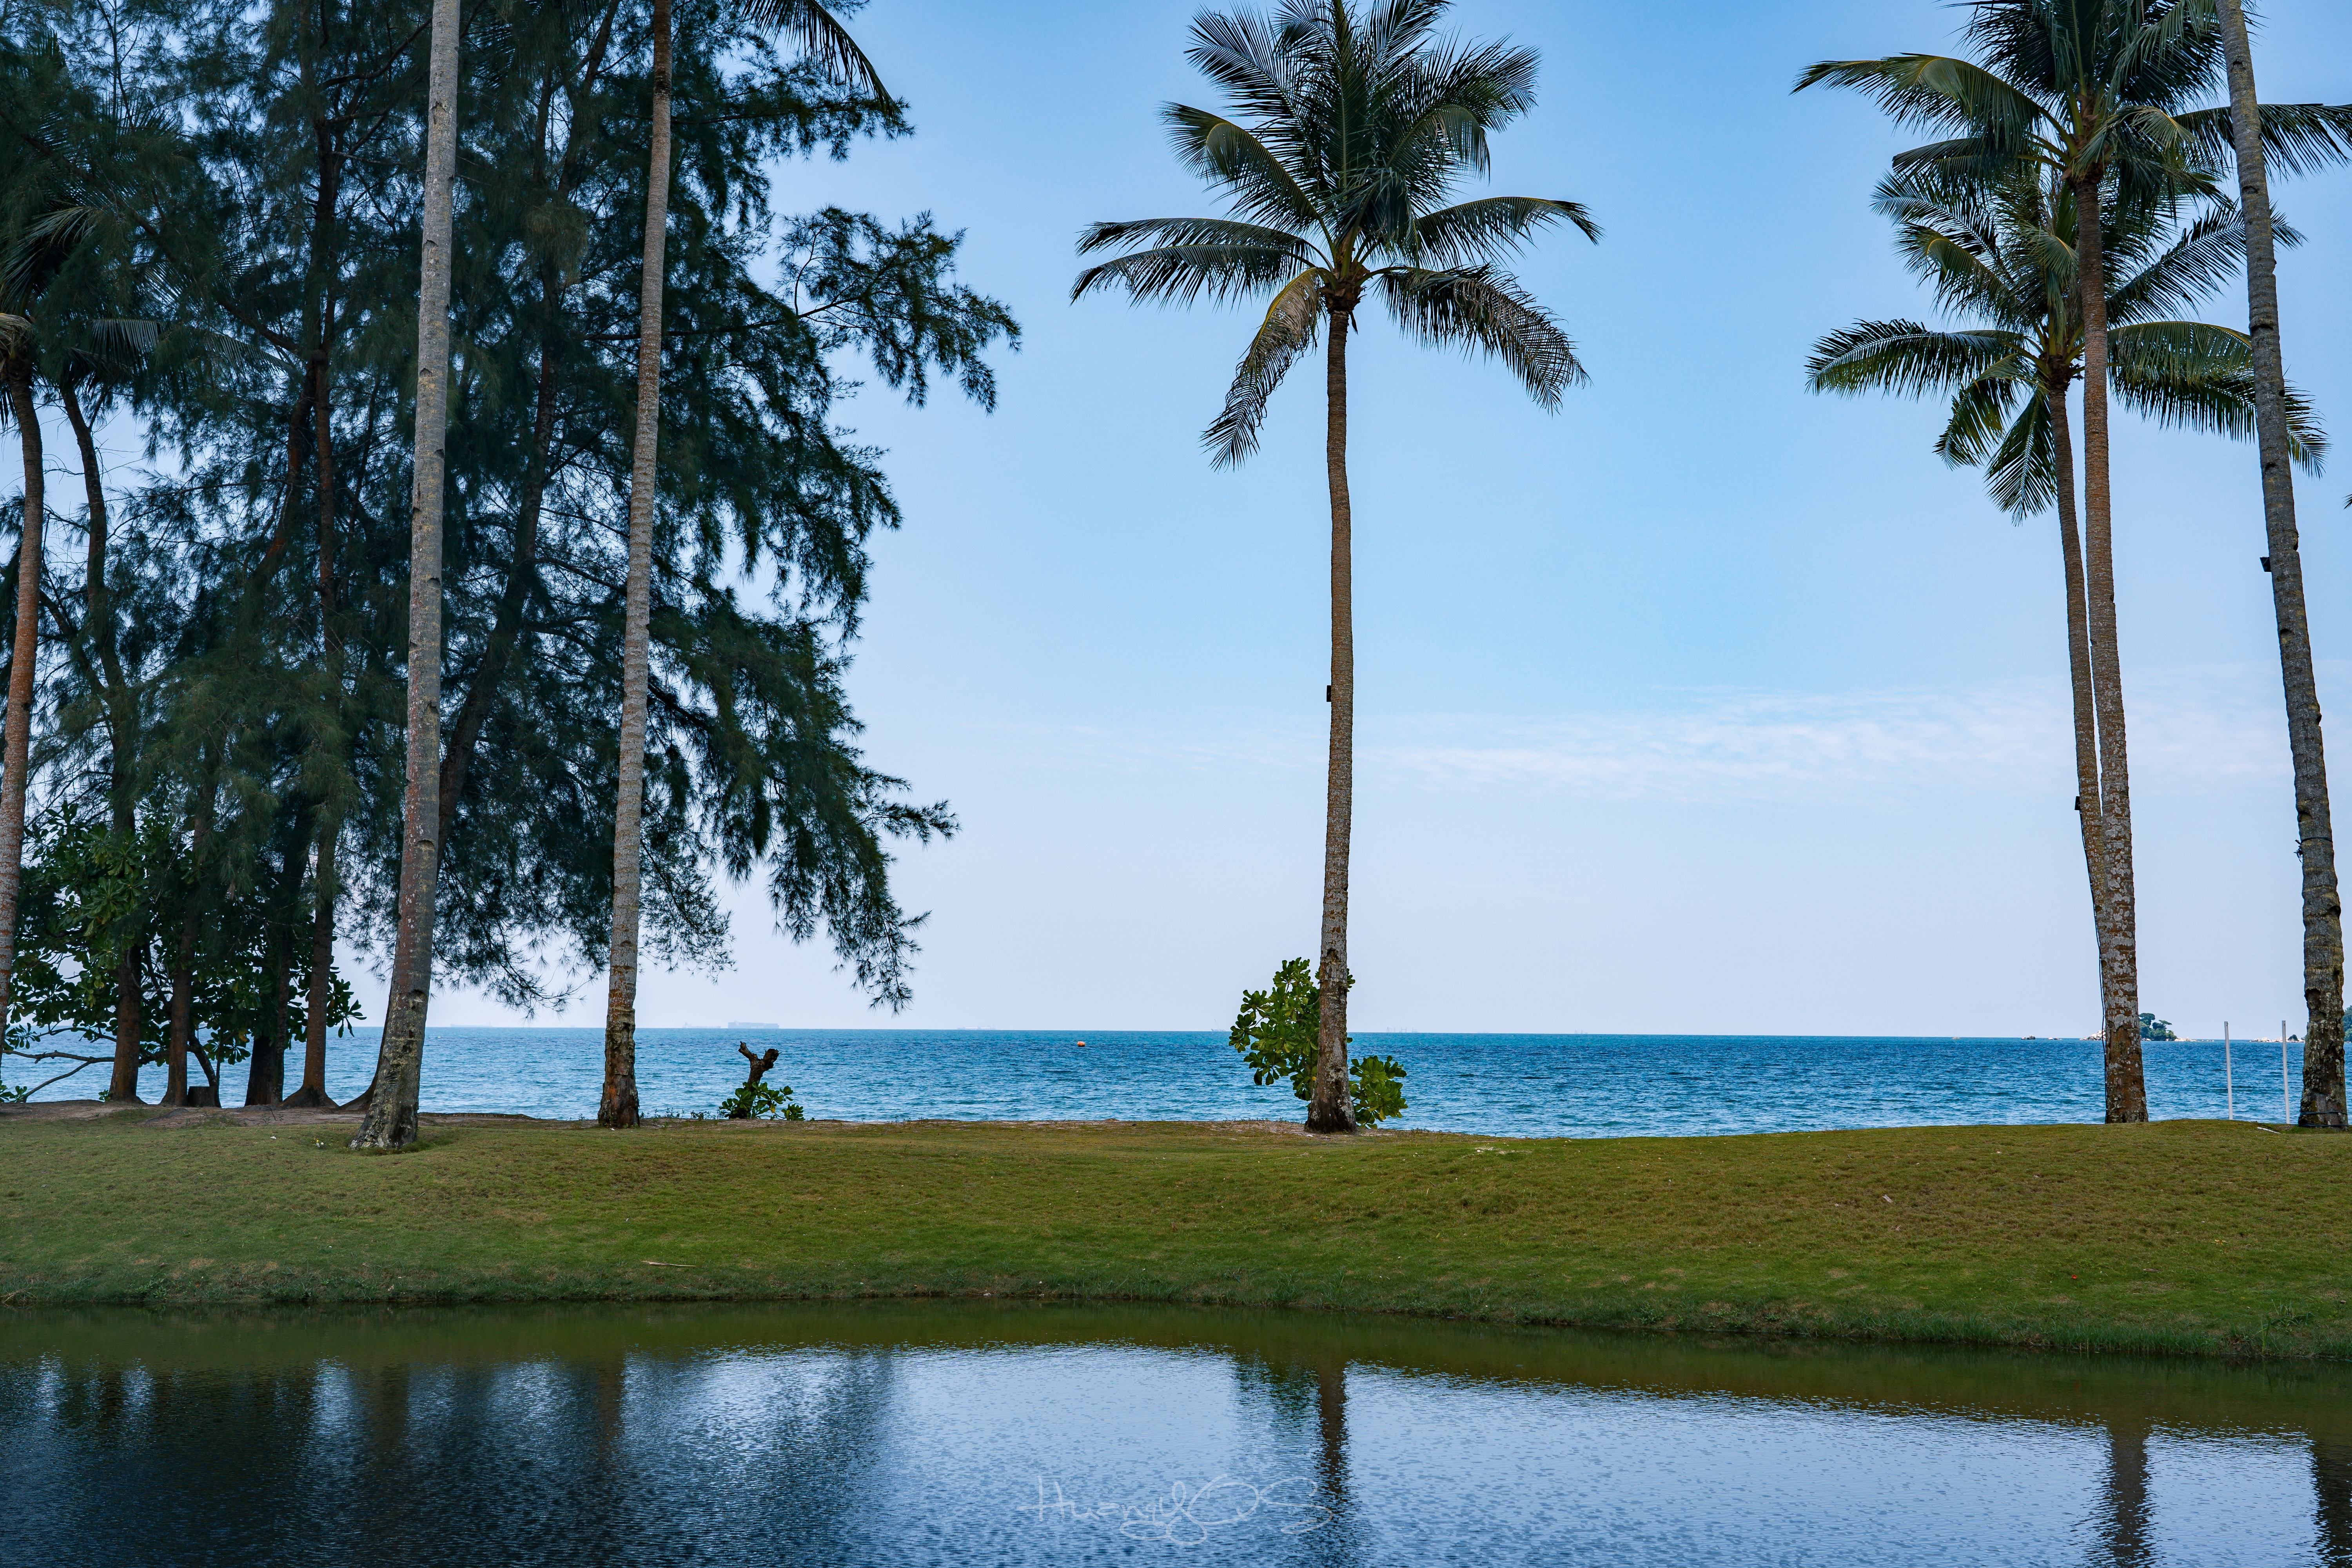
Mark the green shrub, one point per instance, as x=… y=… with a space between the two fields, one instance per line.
x=761 y=1101
x=1276 y=1034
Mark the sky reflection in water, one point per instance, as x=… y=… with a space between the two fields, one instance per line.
x=940 y=1434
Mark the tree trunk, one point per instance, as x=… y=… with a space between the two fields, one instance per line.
x=121 y=729
x=15 y=764
x=319 y=990
x=618 y=1108
x=183 y=955
x=1331 y=1109
x=264 y=1074
x=390 y=1118
x=2119 y=952
x=2078 y=668
x=2322 y=910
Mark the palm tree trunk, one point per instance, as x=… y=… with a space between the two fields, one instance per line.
x=1331 y=1109
x=618 y=1106
x=2118 y=947
x=390 y=1118
x=2078 y=668
x=122 y=729
x=15 y=764
x=2322 y=910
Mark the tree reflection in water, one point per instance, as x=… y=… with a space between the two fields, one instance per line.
x=885 y=1433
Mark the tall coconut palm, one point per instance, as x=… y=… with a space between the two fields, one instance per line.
x=2005 y=260
x=2099 y=94
x=391 y=1100
x=18 y=341
x=1351 y=127
x=2085 y=89
x=820 y=35
x=2329 y=138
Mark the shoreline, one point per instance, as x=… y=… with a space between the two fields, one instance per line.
x=2211 y=1239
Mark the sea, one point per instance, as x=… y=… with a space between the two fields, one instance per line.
x=1575 y=1086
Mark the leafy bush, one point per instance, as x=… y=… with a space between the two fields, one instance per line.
x=1276 y=1034
x=763 y=1101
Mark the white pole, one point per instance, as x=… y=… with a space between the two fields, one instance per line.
x=2228 y=1087
x=2286 y=1114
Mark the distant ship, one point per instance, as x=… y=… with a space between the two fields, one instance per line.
x=745 y=1024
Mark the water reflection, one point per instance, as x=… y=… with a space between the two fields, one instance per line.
x=923 y=1434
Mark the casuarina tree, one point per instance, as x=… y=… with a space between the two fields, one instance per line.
x=1350 y=128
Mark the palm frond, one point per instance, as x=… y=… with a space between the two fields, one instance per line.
x=1483 y=310
x=821 y=38
x=2222 y=403
x=1471 y=232
x=1912 y=360
x=2022 y=476
x=1264 y=185
x=2297 y=138
x=1287 y=330
x=1180 y=274
x=1933 y=90
x=1978 y=414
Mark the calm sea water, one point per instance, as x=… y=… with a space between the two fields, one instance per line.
x=1032 y=1437
x=1565 y=1085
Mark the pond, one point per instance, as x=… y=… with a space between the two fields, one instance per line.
x=987 y=1433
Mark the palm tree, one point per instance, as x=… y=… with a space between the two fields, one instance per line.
x=2006 y=257
x=2086 y=91
x=17 y=352
x=1352 y=126
x=2323 y=910
x=392 y=1099
x=2097 y=94
x=823 y=36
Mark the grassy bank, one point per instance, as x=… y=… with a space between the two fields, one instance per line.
x=2199 y=1238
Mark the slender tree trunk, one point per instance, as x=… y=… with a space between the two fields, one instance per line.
x=264 y=1074
x=2119 y=949
x=183 y=954
x=1332 y=1108
x=2078 y=668
x=16 y=763
x=121 y=729
x=390 y=1118
x=2323 y=909
x=318 y=990
x=618 y=1107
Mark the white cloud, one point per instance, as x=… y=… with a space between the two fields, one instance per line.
x=2189 y=731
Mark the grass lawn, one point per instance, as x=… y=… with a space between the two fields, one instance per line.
x=2187 y=1237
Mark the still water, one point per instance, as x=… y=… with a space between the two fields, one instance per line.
x=1576 y=1086
x=951 y=1434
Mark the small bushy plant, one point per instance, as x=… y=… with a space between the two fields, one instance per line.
x=761 y=1101
x=1276 y=1034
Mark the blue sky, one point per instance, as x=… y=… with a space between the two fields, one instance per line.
x=1704 y=704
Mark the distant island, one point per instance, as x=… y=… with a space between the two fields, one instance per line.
x=740 y=1023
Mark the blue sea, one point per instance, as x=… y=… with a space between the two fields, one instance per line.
x=1579 y=1085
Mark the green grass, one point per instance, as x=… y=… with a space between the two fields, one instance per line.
x=2197 y=1237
